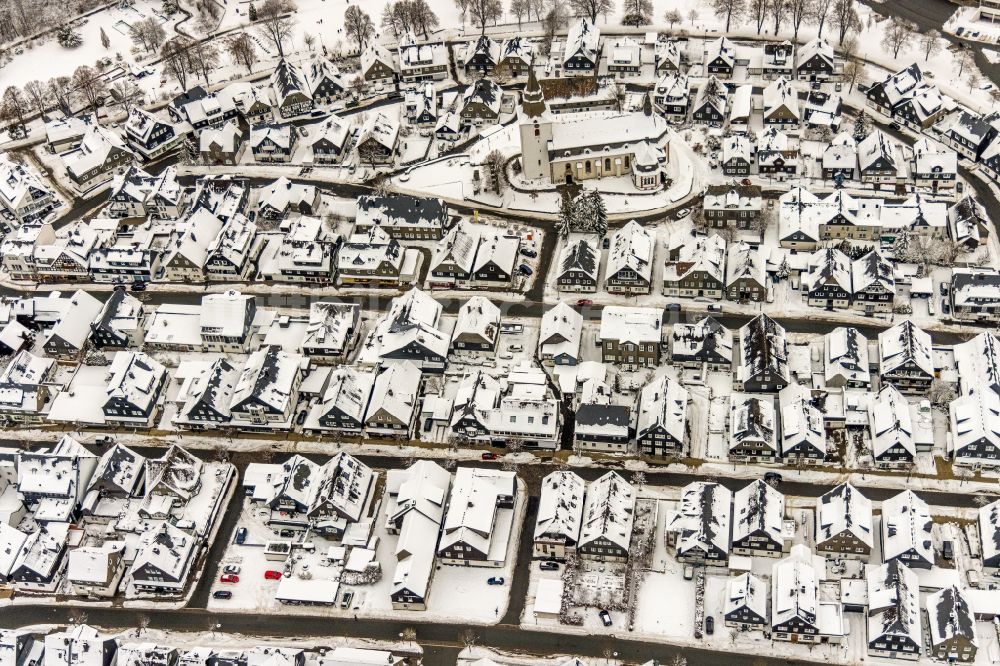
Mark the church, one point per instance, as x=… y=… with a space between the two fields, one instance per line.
x=568 y=150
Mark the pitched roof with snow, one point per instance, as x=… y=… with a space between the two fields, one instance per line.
x=906 y=525
x=844 y=509
x=702 y=521
x=560 y=508
x=609 y=511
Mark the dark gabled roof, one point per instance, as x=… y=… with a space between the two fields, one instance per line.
x=580 y=256
x=603 y=415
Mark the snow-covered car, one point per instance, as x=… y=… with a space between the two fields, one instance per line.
x=682 y=213
x=231 y=569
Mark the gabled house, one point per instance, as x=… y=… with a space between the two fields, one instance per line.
x=290 y=90
x=422 y=61
x=710 y=102
x=720 y=57
x=794 y=598
x=149 y=136
x=560 y=512
x=101 y=155
x=874 y=283
x=481 y=103
x=968 y=223
x=208 y=396
x=699 y=531
x=135 y=382
x=329 y=139
x=378 y=139
x=344 y=403
x=37 y=564
x=845 y=359
x=753 y=432
x=696 y=268
x=560 y=334
x=776 y=153
x=283 y=197
x=781 y=104
x=232 y=255
x=481 y=56
x=672 y=96
x=763 y=361
x=224 y=145
x=392 y=408
x=187 y=249
x=840 y=158
x=975 y=436
x=377 y=65
x=608 y=515
x=706 y=342
x=746 y=604
x=905 y=358
x=477 y=327
x=517 y=54
x=746 y=274
x=578 y=264
x=332 y=331
x=24 y=198
x=267 y=389
x=894 y=612
x=454 y=256
x=738 y=155
x=163 y=560
x=815 y=61
x=630 y=261
x=631 y=337
x=272 y=143
x=952 y=626
x=582 y=49
x=933 y=167
x=906 y=531
x=879 y=160
x=891 y=429
x=71 y=329
x=828 y=282
x=803 y=436
x=471 y=534
x=662 y=427
x=325 y=84
x=733 y=206
x=370 y=257
x=989 y=536
x=121 y=322
x=758 y=521
x=844 y=523
x=496 y=259
x=600 y=424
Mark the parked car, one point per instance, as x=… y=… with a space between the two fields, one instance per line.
x=605 y=618
x=745 y=181
x=222 y=594
x=548 y=565
x=945 y=308
x=682 y=213
x=515 y=348
x=772 y=478
x=688 y=572
x=241 y=535
x=231 y=569
x=104 y=440
x=709 y=625
x=495 y=580
x=947 y=550
x=673 y=307
x=584 y=301
x=714 y=307
x=528 y=252
x=301 y=418
x=524 y=269
x=139 y=286
x=271 y=574
x=489 y=456
x=229 y=578
x=345 y=601
x=943 y=288
x=896 y=126
x=428 y=424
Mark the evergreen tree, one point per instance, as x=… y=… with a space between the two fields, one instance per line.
x=862 y=127
x=68 y=38
x=252 y=12
x=105 y=42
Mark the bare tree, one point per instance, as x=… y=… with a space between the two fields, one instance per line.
x=61 y=89
x=693 y=15
x=274 y=23
x=203 y=57
x=798 y=10
x=845 y=18
x=496 y=166
x=591 y=8
x=126 y=94
x=819 y=13
x=176 y=61
x=15 y=105
x=468 y=638
x=243 y=51
x=358 y=25
x=38 y=94
x=520 y=8
x=930 y=43
x=537 y=6
x=672 y=16
x=980 y=500
x=758 y=9
x=731 y=10
x=90 y=85
x=778 y=12
x=463 y=9
x=141 y=623
x=422 y=17
x=637 y=12
x=896 y=33
x=483 y=11
x=149 y=32
x=966 y=60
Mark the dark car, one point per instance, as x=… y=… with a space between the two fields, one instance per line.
x=222 y=594
x=947 y=550
x=488 y=455
x=241 y=535
x=138 y=286
x=428 y=423
x=548 y=565
x=945 y=308
x=301 y=418
x=771 y=478
x=528 y=252
x=944 y=288
x=709 y=625
x=495 y=580
x=896 y=126
x=524 y=269
x=605 y=618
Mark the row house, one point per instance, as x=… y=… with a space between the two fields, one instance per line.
x=696 y=269
x=150 y=137
x=578 y=263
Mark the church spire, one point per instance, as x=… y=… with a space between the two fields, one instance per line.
x=532 y=99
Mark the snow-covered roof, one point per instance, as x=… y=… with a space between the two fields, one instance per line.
x=381 y=129
x=875 y=146
x=989 y=531
x=737 y=146
x=932 y=157
x=286 y=79
x=873 y=271
x=479 y=317
x=632 y=248
x=764 y=347
x=746 y=591
x=842 y=153
x=192 y=237
x=396 y=391
x=560 y=508
x=663 y=404
x=458 y=247
x=906 y=526
x=705 y=337
x=97 y=144
x=11 y=542
x=813 y=48
x=974 y=419
x=583 y=39
x=780 y=94
x=73 y=324
x=950 y=617
x=968 y=221
x=609 y=511
x=213 y=387
x=712 y=93
x=227 y=137
x=90 y=564
x=828 y=266
x=844 y=509
x=486 y=92
x=890 y=422
x=758 y=508
x=631 y=324
x=579 y=255
x=794 y=588
x=975 y=287
x=801 y=421
x=119 y=467
x=177 y=472
x=904 y=344
x=752 y=423
x=499 y=248
x=702 y=521
x=706 y=254
x=893 y=604
x=279 y=135
x=318 y=70
x=978 y=363
x=846 y=355
x=165 y=549
x=561 y=330
x=472 y=507
x=136 y=378
x=268 y=376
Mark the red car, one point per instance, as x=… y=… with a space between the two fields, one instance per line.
x=489 y=456
x=271 y=574
x=585 y=301
x=229 y=578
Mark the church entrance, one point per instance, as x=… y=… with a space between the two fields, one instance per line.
x=569 y=174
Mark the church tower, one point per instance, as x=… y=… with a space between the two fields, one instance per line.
x=536 y=130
